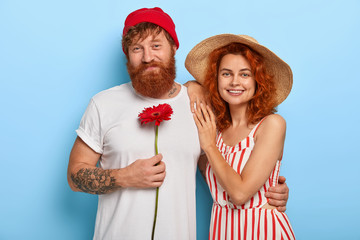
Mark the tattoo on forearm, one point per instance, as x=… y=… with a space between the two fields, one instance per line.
x=173 y=90
x=95 y=181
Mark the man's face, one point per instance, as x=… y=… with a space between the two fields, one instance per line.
x=151 y=65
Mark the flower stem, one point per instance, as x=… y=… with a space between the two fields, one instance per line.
x=157 y=189
x=156 y=207
x=156 y=139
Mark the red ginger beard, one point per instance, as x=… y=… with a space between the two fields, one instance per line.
x=154 y=83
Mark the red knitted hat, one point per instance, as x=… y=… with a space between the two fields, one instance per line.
x=153 y=15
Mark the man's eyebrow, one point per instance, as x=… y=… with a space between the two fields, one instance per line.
x=156 y=40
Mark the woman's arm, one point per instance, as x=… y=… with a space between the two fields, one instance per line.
x=268 y=149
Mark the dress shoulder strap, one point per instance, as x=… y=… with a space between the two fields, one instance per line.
x=253 y=131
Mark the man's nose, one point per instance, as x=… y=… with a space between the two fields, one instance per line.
x=148 y=55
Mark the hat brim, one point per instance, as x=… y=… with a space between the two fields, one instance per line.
x=197 y=61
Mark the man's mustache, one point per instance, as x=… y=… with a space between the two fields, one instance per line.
x=143 y=66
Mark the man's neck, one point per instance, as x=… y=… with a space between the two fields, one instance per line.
x=173 y=92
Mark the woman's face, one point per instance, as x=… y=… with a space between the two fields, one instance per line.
x=236 y=83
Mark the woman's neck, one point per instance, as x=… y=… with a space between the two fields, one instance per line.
x=238 y=115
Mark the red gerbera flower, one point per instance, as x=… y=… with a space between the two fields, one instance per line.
x=160 y=113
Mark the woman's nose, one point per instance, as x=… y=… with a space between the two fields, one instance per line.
x=235 y=81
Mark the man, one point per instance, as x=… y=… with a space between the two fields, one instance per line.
x=110 y=134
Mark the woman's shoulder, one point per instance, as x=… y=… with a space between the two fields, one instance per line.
x=274 y=119
x=273 y=122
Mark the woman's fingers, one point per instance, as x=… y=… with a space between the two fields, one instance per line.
x=212 y=116
x=195 y=103
x=205 y=113
x=204 y=117
x=192 y=104
x=197 y=121
x=199 y=116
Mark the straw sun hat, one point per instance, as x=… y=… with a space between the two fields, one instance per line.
x=197 y=61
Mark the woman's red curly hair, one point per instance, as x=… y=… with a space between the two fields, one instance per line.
x=261 y=104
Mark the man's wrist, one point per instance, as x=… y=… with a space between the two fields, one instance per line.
x=121 y=176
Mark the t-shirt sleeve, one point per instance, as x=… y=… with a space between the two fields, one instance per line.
x=90 y=128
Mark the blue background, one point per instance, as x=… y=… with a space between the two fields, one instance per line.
x=55 y=55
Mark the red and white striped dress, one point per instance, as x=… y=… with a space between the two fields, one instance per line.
x=248 y=221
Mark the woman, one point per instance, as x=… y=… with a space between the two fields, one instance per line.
x=245 y=82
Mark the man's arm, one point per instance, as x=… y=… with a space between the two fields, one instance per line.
x=197 y=94
x=202 y=165
x=278 y=195
x=84 y=176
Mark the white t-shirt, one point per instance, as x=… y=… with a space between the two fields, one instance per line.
x=111 y=127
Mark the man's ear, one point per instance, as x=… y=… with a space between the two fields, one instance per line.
x=175 y=49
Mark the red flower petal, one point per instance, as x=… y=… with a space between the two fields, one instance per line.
x=160 y=113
